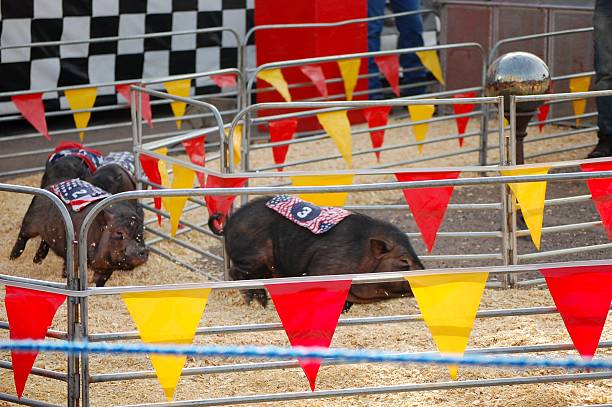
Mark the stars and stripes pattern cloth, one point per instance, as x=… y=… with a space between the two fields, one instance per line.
x=78 y=193
x=125 y=159
x=91 y=157
x=312 y=217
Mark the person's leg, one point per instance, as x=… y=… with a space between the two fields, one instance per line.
x=375 y=8
x=602 y=23
x=410 y=36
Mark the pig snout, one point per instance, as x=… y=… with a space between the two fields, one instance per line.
x=135 y=256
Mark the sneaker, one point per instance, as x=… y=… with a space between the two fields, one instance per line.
x=603 y=148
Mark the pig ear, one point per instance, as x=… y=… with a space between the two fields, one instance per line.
x=108 y=217
x=380 y=247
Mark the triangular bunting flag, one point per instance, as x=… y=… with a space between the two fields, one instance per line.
x=428 y=205
x=601 y=193
x=29 y=314
x=281 y=130
x=389 y=66
x=462 y=122
x=582 y=296
x=309 y=313
x=543 y=110
x=448 y=303
x=162 y=168
x=196 y=151
x=124 y=90
x=167 y=317
x=221 y=204
x=338 y=127
x=418 y=113
x=316 y=75
x=150 y=167
x=79 y=99
x=275 y=78
x=377 y=117
x=224 y=81
x=236 y=143
x=349 y=69
x=330 y=199
x=430 y=60
x=581 y=84
x=183 y=179
x=530 y=196
x=32 y=109
x=181 y=88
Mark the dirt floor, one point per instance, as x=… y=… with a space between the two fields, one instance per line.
x=108 y=314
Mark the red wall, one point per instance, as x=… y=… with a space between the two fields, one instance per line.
x=283 y=44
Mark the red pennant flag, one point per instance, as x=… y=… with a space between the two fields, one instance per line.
x=582 y=296
x=309 y=313
x=316 y=75
x=224 y=81
x=196 y=151
x=543 y=111
x=377 y=117
x=33 y=110
x=428 y=205
x=124 y=90
x=462 y=122
x=29 y=315
x=149 y=167
x=601 y=193
x=222 y=204
x=281 y=130
x=389 y=66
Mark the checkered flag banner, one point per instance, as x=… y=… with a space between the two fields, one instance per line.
x=310 y=216
x=125 y=159
x=78 y=193
x=37 y=68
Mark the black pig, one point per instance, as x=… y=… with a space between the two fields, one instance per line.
x=264 y=244
x=116 y=173
x=114 y=242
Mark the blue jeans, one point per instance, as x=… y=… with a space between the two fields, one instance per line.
x=410 y=35
x=602 y=22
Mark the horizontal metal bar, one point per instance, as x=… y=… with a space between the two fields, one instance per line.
x=275 y=326
x=191 y=226
x=528 y=283
x=466 y=234
x=384 y=389
x=400 y=207
x=49 y=374
x=287 y=364
x=51 y=333
x=560 y=252
x=183 y=264
x=563 y=96
x=26 y=401
x=182 y=243
x=486 y=256
x=562 y=228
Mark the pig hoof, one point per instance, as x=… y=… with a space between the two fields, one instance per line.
x=262 y=297
x=41 y=253
x=347 y=306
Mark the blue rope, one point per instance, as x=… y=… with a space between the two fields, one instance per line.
x=275 y=352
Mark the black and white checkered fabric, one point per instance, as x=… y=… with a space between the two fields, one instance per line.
x=31 y=21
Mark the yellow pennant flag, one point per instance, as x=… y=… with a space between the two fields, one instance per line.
x=530 y=196
x=418 y=113
x=78 y=99
x=349 y=69
x=448 y=303
x=275 y=78
x=183 y=178
x=506 y=122
x=333 y=199
x=581 y=84
x=167 y=317
x=178 y=88
x=430 y=60
x=338 y=127
x=163 y=168
x=236 y=142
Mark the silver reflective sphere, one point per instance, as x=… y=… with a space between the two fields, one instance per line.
x=518 y=73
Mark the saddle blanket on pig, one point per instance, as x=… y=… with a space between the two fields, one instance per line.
x=78 y=193
x=312 y=217
x=92 y=158
x=124 y=159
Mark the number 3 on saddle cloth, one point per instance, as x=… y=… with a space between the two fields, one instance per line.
x=314 y=218
x=78 y=193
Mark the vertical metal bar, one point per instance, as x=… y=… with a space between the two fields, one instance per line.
x=506 y=196
x=136 y=112
x=73 y=329
x=511 y=279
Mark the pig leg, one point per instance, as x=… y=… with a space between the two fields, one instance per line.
x=27 y=232
x=41 y=253
x=347 y=306
x=261 y=295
